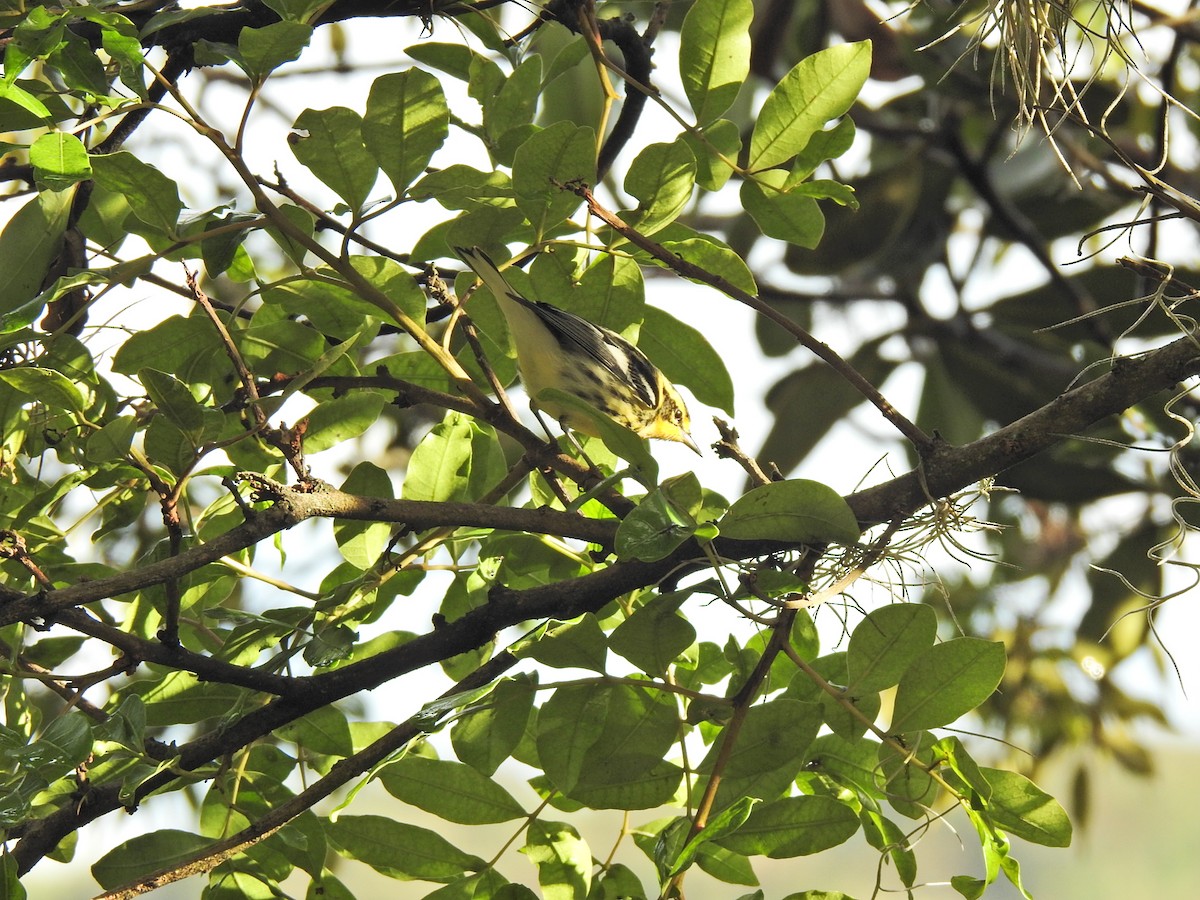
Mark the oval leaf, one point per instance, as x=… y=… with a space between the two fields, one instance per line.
x=797 y=510
x=407 y=120
x=714 y=54
x=59 y=160
x=947 y=681
x=661 y=178
x=793 y=826
x=819 y=88
x=885 y=644
x=551 y=157
x=329 y=143
x=400 y=850
x=452 y=790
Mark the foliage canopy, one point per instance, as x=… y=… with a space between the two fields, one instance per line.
x=611 y=638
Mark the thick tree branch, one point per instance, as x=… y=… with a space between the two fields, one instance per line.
x=948 y=470
x=292 y=506
x=339 y=775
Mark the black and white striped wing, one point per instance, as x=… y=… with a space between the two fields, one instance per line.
x=609 y=350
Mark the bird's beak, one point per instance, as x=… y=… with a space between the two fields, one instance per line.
x=685 y=438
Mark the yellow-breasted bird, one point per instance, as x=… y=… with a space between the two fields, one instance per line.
x=558 y=349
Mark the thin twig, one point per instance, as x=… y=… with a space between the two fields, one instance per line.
x=920 y=440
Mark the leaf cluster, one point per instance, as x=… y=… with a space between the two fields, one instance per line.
x=162 y=635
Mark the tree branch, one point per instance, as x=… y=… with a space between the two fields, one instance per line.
x=292 y=506
x=947 y=470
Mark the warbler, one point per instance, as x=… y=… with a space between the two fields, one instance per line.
x=558 y=349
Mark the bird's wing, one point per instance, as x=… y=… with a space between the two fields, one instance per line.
x=608 y=349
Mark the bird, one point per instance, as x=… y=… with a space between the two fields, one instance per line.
x=558 y=349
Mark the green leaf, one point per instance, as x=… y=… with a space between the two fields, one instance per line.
x=1024 y=810
x=332 y=309
x=458 y=460
x=839 y=712
x=65 y=744
x=34 y=37
x=569 y=723
x=769 y=752
x=947 y=681
x=166 y=347
x=398 y=285
x=617 y=882
x=295 y=10
x=175 y=401
x=827 y=189
x=562 y=857
x=324 y=730
x=580 y=644
x=262 y=50
x=362 y=543
x=126 y=725
x=686 y=358
x=333 y=422
x=821 y=146
x=460 y=186
x=59 y=160
x=714 y=54
x=24 y=100
x=179 y=699
x=510 y=110
x=886 y=642
x=796 y=510
x=817 y=89
x=452 y=790
x=725 y=865
x=662 y=178
x=144 y=854
x=848 y=761
x=610 y=292
x=220 y=251
x=793 y=826
x=120 y=40
x=655 y=635
x=486 y=735
x=302 y=220
x=604 y=744
x=10 y=884
x=454 y=59
x=718 y=258
x=550 y=158
x=485 y=885
x=407 y=120
x=329 y=143
x=330 y=644
x=729 y=819
x=969 y=886
x=902 y=774
x=48 y=386
x=786 y=216
x=153 y=197
x=29 y=243
x=720 y=139
x=273 y=346
x=885 y=835
x=400 y=850
x=167 y=446
x=653 y=530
